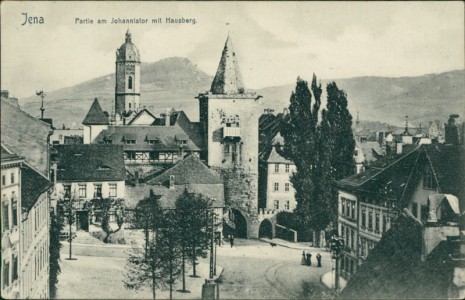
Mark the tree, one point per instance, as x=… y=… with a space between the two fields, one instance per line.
x=147 y=216
x=105 y=207
x=299 y=131
x=56 y=226
x=337 y=146
x=194 y=215
x=157 y=264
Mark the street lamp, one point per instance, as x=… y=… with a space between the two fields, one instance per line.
x=336 y=246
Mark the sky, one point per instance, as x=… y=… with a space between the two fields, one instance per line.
x=275 y=41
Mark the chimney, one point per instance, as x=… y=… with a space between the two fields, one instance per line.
x=399 y=148
x=167 y=117
x=172 y=182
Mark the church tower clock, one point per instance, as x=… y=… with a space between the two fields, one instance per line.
x=127 y=89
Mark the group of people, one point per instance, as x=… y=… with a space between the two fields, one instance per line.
x=307 y=259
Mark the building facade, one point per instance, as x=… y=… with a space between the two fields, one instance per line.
x=10 y=222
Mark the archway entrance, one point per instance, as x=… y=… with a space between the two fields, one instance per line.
x=235 y=224
x=266 y=229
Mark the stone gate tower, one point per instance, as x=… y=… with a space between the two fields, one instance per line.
x=127 y=90
x=229 y=116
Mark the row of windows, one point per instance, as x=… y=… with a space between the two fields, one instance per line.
x=348 y=208
x=36 y=265
x=82 y=190
x=350 y=236
x=373 y=220
x=348 y=265
x=9 y=218
x=365 y=246
x=12 y=179
x=37 y=218
x=287 y=187
x=287 y=204
x=276 y=168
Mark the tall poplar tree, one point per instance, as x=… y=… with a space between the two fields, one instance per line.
x=336 y=147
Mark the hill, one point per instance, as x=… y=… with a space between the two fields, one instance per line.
x=389 y=100
x=174 y=82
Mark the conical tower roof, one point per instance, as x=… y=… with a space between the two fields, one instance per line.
x=95 y=116
x=228 y=78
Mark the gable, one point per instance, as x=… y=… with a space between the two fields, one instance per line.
x=144 y=117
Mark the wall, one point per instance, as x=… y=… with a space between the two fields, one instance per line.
x=11 y=250
x=35 y=251
x=92 y=131
x=58 y=135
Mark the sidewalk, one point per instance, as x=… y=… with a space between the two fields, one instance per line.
x=305 y=246
x=328 y=280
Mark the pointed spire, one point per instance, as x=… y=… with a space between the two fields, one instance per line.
x=128 y=36
x=228 y=78
x=95 y=116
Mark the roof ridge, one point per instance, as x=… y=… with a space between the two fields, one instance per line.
x=25 y=113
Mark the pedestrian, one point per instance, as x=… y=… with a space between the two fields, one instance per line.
x=318 y=258
x=309 y=259
x=231 y=240
x=303 y=261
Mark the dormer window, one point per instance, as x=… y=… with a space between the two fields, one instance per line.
x=129 y=139
x=152 y=140
x=181 y=139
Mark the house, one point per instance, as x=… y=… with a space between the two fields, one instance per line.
x=369 y=202
x=84 y=172
x=189 y=174
x=67 y=136
x=26 y=201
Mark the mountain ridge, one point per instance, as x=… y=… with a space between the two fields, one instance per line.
x=175 y=81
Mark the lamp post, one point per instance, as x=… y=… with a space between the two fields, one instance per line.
x=212 y=246
x=337 y=245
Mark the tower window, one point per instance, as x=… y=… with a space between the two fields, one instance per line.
x=130 y=82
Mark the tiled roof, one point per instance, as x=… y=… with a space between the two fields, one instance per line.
x=95 y=116
x=168 y=196
x=88 y=163
x=228 y=78
x=32 y=186
x=166 y=136
x=448 y=165
x=275 y=157
x=371 y=150
x=391 y=171
x=190 y=170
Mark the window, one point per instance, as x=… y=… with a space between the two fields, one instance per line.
x=5 y=217
x=276 y=168
x=153 y=142
x=276 y=204
x=377 y=222
x=15 y=268
x=286 y=187
x=14 y=210
x=415 y=209
x=130 y=142
x=343 y=206
x=287 y=168
x=362 y=247
x=3 y=180
x=353 y=209
x=276 y=186
x=130 y=82
x=6 y=274
x=384 y=223
x=226 y=148
x=287 y=205
x=97 y=191
x=153 y=155
x=429 y=182
x=129 y=105
x=356 y=152
x=424 y=212
x=82 y=191
x=352 y=239
x=364 y=215
x=370 y=220
x=67 y=190
x=12 y=178
x=130 y=155
x=112 y=190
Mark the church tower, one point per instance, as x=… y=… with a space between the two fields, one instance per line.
x=229 y=116
x=127 y=89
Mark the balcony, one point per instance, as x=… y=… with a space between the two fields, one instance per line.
x=231 y=132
